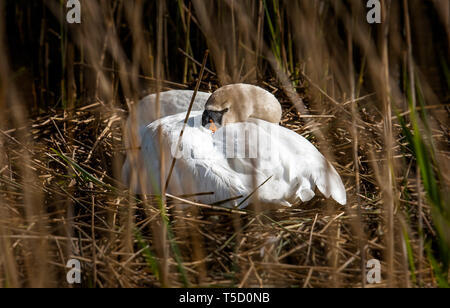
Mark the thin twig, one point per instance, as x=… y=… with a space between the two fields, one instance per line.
x=207 y=206
x=197 y=86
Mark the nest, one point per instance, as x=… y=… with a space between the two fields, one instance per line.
x=65 y=201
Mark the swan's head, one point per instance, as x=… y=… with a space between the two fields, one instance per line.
x=238 y=102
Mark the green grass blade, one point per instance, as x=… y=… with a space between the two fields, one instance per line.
x=148 y=255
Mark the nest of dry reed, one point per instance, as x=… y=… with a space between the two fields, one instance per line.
x=80 y=210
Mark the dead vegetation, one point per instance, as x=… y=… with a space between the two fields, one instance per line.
x=60 y=191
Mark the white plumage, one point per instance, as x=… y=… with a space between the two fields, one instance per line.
x=171 y=102
x=231 y=162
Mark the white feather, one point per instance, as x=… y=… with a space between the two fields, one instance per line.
x=295 y=167
x=171 y=102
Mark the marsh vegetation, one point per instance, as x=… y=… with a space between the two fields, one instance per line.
x=374 y=98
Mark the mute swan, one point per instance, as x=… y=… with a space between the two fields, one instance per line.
x=245 y=152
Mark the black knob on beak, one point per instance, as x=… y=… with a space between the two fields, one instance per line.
x=214 y=116
x=206 y=118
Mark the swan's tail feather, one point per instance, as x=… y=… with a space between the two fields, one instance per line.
x=330 y=184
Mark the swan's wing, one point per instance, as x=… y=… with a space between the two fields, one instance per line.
x=247 y=149
x=235 y=160
x=198 y=169
x=295 y=167
x=200 y=164
x=310 y=168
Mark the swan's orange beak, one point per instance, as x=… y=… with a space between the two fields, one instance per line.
x=212 y=127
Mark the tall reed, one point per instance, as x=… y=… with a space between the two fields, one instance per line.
x=372 y=97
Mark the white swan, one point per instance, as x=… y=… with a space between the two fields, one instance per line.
x=242 y=154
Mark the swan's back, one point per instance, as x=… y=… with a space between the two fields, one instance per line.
x=171 y=103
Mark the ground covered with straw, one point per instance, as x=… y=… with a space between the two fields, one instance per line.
x=90 y=216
